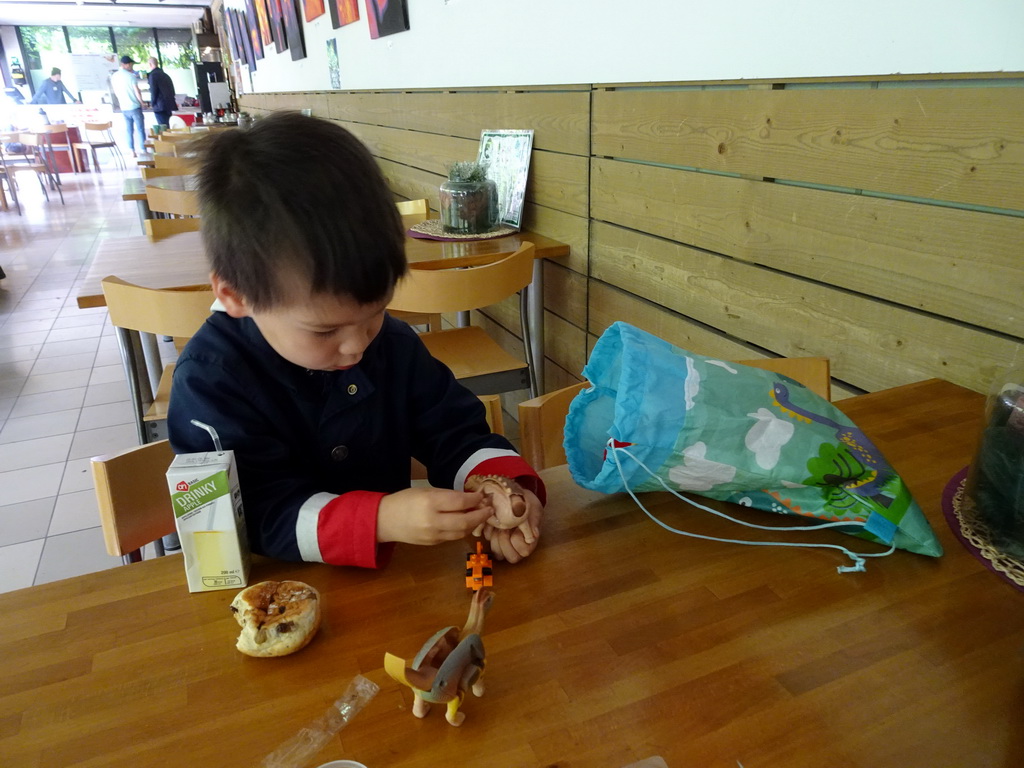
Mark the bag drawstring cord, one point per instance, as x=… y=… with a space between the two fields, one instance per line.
x=857 y=558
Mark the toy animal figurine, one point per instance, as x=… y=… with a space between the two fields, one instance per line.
x=448 y=664
x=506 y=496
x=479 y=573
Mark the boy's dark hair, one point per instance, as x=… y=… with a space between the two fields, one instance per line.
x=302 y=196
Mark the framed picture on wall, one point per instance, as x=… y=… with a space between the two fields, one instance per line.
x=506 y=153
x=277 y=25
x=229 y=32
x=333 y=68
x=293 y=29
x=387 y=17
x=343 y=12
x=314 y=9
x=253 y=25
x=264 y=21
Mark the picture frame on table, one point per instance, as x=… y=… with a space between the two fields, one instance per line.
x=506 y=153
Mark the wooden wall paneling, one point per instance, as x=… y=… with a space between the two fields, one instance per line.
x=955 y=263
x=872 y=344
x=569 y=229
x=565 y=293
x=411 y=183
x=560 y=120
x=428 y=151
x=556 y=180
x=962 y=144
x=565 y=344
x=610 y=304
x=297 y=101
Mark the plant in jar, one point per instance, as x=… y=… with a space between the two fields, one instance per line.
x=468 y=199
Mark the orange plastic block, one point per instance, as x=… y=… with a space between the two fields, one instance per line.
x=478 y=569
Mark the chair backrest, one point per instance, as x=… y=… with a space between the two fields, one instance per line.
x=158 y=229
x=178 y=202
x=183 y=164
x=162 y=147
x=457 y=290
x=97 y=127
x=131 y=491
x=162 y=311
x=413 y=211
x=159 y=173
x=542 y=419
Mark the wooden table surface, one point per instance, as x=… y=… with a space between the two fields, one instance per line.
x=181 y=260
x=615 y=641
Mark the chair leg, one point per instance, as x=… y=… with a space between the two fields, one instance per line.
x=96 y=161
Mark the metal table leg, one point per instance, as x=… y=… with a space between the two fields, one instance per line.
x=132 y=359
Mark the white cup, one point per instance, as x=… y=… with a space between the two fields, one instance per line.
x=342 y=764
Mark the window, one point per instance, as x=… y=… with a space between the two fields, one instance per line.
x=44 y=47
x=177 y=55
x=137 y=42
x=90 y=39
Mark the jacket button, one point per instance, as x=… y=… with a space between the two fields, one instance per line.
x=339 y=453
x=352 y=389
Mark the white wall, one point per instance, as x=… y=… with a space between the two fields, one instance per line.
x=460 y=43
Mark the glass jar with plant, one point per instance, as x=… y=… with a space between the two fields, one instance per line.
x=469 y=200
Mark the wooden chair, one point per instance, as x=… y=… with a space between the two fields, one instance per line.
x=158 y=229
x=48 y=135
x=8 y=179
x=34 y=161
x=159 y=173
x=174 y=202
x=135 y=505
x=542 y=419
x=180 y=164
x=413 y=212
x=175 y=312
x=98 y=136
x=478 y=361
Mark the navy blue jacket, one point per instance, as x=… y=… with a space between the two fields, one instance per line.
x=316 y=450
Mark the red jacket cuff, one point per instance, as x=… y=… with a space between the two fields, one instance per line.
x=347 y=531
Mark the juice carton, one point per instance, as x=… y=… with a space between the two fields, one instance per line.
x=208 y=511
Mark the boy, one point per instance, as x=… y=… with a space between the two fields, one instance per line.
x=322 y=396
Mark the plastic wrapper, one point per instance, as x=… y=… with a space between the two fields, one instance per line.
x=299 y=750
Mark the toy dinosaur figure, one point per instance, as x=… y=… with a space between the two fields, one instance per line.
x=448 y=664
x=506 y=496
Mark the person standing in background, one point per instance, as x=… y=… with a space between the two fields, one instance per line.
x=161 y=93
x=125 y=84
x=52 y=90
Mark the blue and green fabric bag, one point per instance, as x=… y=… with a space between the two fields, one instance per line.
x=660 y=418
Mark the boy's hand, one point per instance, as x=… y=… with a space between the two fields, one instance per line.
x=511 y=544
x=430 y=515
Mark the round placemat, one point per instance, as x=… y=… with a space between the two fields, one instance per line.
x=432 y=229
x=963 y=519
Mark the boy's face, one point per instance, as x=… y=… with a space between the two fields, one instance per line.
x=319 y=332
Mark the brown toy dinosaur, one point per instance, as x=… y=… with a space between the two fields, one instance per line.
x=448 y=664
x=506 y=496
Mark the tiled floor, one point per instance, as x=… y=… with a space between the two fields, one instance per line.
x=62 y=393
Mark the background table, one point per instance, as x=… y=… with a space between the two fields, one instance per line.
x=181 y=260
x=616 y=640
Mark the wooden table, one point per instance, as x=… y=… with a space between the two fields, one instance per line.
x=615 y=641
x=134 y=188
x=181 y=260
